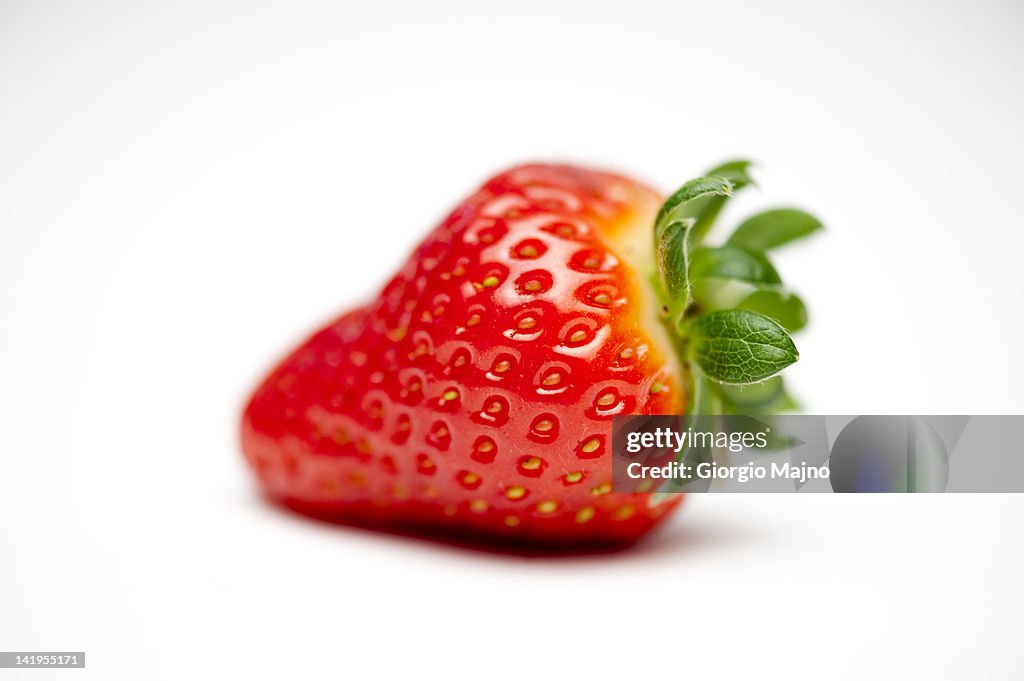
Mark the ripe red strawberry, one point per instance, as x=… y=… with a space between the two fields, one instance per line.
x=476 y=392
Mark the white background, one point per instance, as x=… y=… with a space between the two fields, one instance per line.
x=188 y=188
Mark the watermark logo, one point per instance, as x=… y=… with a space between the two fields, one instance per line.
x=800 y=453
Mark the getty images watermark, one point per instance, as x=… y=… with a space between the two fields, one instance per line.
x=798 y=453
x=683 y=439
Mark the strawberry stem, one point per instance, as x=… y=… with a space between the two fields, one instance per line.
x=696 y=286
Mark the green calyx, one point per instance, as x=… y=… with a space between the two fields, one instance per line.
x=726 y=306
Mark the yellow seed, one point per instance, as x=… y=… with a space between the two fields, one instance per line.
x=528 y=251
x=473 y=320
x=494 y=407
x=547 y=506
x=603 y=488
x=544 y=426
x=502 y=366
x=627 y=353
x=554 y=378
x=478 y=506
x=606 y=400
x=578 y=336
x=591 y=263
x=585 y=514
x=526 y=323
x=491 y=281
x=485 y=446
x=470 y=478
x=602 y=299
x=397 y=334
x=451 y=395
x=515 y=492
x=591 y=445
x=531 y=464
x=511 y=521
x=623 y=512
x=532 y=285
x=657 y=387
x=574 y=477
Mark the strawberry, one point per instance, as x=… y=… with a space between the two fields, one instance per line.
x=476 y=392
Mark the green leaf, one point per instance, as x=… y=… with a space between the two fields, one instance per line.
x=671 y=238
x=786 y=403
x=672 y=263
x=714 y=293
x=740 y=346
x=785 y=308
x=732 y=262
x=673 y=209
x=705 y=402
x=764 y=398
x=705 y=209
x=753 y=396
x=773 y=228
x=736 y=171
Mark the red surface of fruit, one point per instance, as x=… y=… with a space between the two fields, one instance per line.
x=476 y=392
